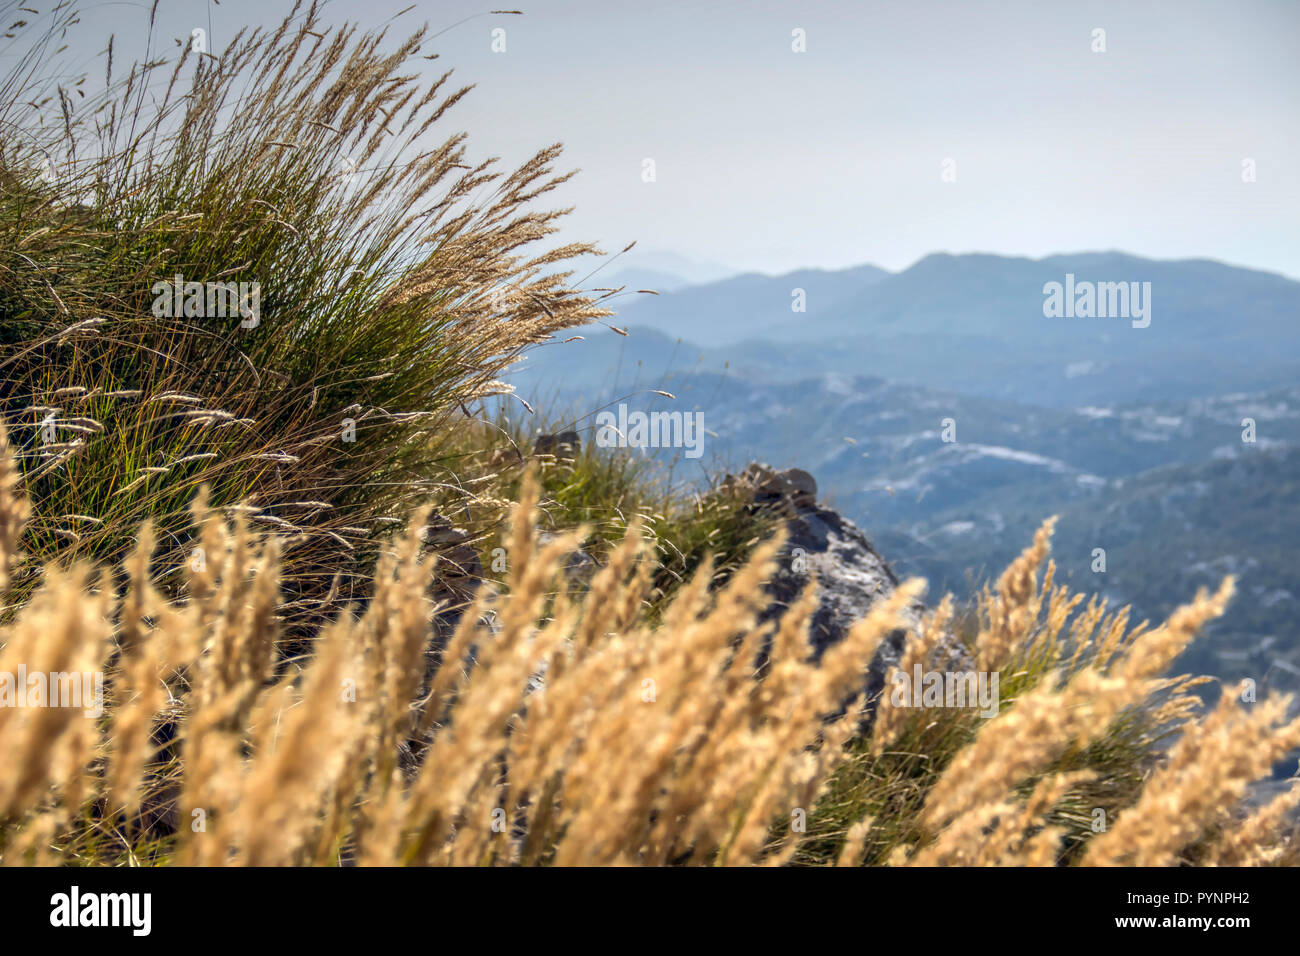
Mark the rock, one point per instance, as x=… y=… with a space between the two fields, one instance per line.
x=788 y=490
x=563 y=445
x=458 y=561
x=803 y=484
x=458 y=574
x=439 y=531
x=851 y=579
x=579 y=566
x=851 y=576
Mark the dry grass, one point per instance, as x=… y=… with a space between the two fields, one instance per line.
x=1074 y=768
x=200 y=530
x=570 y=732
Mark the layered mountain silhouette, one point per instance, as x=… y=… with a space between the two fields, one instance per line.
x=976 y=323
x=1136 y=437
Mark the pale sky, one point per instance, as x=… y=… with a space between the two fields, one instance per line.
x=772 y=160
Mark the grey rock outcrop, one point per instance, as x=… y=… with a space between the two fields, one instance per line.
x=562 y=445
x=579 y=566
x=851 y=576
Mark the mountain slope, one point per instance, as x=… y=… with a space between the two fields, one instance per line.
x=750 y=305
x=976 y=324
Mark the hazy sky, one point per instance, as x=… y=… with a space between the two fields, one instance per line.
x=768 y=159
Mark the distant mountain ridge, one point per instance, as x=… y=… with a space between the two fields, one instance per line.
x=976 y=323
x=1136 y=437
x=749 y=305
x=661 y=271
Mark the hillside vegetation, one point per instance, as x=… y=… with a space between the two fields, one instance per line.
x=340 y=614
x=638 y=743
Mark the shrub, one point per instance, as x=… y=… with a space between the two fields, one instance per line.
x=394 y=288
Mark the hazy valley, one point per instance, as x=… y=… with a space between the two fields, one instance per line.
x=941 y=410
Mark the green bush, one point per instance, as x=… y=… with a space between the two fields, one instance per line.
x=394 y=288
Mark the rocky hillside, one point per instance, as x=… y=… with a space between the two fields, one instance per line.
x=952 y=485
